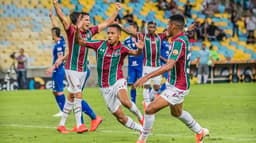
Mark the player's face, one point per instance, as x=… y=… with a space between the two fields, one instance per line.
x=151 y=28
x=86 y=20
x=113 y=35
x=132 y=28
x=170 y=28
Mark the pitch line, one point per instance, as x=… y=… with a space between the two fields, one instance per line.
x=248 y=138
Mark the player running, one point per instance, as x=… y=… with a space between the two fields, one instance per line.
x=135 y=63
x=76 y=67
x=178 y=83
x=110 y=56
x=58 y=74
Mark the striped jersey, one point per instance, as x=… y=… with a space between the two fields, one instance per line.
x=152 y=48
x=180 y=52
x=109 y=61
x=77 y=59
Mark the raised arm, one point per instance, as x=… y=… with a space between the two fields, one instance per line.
x=60 y=14
x=52 y=20
x=111 y=19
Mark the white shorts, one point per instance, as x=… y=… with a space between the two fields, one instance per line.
x=110 y=95
x=156 y=80
x=76 y=80
x=174 y=95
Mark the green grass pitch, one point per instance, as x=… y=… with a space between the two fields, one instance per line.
x=227 y=110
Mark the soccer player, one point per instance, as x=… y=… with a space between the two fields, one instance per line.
x=178 y=83
x=76 y=67
x=110 y=56
x=58 y=73
x=151 y=61
x=135 y=63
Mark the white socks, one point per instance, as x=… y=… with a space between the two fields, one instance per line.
x=78 y=111
x=191 y=123
x=205 y=78
x=199 y=78
x=134 y=109
x=66 y=110
x=146 y=96
x=148 y=124
x=133 y=125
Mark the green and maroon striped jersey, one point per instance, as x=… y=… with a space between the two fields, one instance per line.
x=180 y=52
x=152 y=48
x=77 y=59
x=109 y=61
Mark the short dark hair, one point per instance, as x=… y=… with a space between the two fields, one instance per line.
x=74 y=16
x=84 y=13
x=135 y=25
x=116 y=26
x=178 y=19
x=151 y=22
x=56 y=30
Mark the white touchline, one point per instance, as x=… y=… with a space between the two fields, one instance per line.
x=248 y=138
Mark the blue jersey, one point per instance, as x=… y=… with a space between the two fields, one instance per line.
x=59 y=48
x=164 y=51
x=133 y=61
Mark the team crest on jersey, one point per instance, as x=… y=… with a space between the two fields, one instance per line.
x=59 y=49
x=175 y=52
x=116 y=53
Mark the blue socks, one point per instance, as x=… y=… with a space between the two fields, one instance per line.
x=60 y=99
x=88 y=110
x=133 y=95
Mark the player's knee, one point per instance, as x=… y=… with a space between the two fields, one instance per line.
x=176 y=113
x=149 y=110
x=127 y=103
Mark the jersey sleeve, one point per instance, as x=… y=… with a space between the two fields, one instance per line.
x=94 y=44
x=94 y=30
x=125 y=50
x=162 y=36
x=71 y=29
x=176 y=50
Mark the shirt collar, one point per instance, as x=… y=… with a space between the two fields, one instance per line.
x=115 y=47
x=181 y=34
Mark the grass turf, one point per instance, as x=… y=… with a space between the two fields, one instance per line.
x=227 y=110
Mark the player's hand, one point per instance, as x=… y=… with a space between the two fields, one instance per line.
x=118 y=6
x=49 y=71
x=192 y=27
x=140 y=43
x=54 y=1
x=79 y=22
x=140 y=82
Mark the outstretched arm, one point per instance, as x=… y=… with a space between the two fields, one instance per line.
x=60 y=14
x=111 y=19
x=52 y=20
x=168 y=66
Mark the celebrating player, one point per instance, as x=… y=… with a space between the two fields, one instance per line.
x=178 y=83
x=135 y=63
x=76 y=67
x=110 y=56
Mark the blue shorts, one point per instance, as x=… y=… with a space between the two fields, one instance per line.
x=134 y=73
x=57 y=79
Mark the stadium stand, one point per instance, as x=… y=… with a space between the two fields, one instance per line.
x=25 y=24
